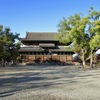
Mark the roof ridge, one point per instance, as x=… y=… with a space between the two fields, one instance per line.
x=42 y=32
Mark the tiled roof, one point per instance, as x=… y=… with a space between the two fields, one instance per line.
x=46 y=44
x=30 y=49
x=41 y=35
x=60 y=50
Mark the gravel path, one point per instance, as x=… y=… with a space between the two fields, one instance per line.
x=47 y=82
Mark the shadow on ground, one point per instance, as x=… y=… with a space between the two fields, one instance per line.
x=17 y=79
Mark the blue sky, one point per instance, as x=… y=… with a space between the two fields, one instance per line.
x=40 y=15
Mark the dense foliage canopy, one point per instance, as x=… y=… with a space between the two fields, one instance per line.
x=8 y=45
x=83 y=32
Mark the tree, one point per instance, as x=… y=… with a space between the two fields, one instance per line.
x=80 y=31
x=94 y=44
x=94 y=32
x=8 y=45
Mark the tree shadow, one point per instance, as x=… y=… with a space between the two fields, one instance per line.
x=45 y=77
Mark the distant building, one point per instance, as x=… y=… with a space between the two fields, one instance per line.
x=44 y=47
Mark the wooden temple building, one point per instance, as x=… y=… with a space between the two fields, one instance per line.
x=43 y=47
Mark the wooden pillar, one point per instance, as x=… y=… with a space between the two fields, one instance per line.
x=43 y=57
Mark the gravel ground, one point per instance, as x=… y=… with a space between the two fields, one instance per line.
x=47 y=82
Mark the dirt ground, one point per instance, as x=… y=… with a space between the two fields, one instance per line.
x=46 y=82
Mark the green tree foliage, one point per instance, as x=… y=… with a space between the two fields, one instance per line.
x=8 y=46
x=94 y=32
x=83 y=32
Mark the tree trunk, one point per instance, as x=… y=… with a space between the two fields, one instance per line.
x=91 y=60
x=12 y=63
x=84 y=62
x=83 y=58
x=95 y=61
x=3 y=63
